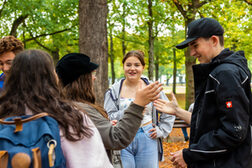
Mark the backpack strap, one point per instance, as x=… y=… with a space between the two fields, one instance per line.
x=37 y=163
x=4 y=159
x=18 y=121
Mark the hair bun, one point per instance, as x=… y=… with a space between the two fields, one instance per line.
x=140 y=52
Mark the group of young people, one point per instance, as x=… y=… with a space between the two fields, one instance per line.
x=136 y=113
x=33 y=85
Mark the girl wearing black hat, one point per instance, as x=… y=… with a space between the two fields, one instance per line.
x=76 y=72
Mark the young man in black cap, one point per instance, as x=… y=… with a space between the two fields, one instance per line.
x=221 y=119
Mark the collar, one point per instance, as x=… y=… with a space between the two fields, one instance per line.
x=223 y=54
x=2 y=77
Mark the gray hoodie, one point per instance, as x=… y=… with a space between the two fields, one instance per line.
x=111 y=104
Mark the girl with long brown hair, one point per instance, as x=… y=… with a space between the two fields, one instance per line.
x=77 y=74
x=31 y=88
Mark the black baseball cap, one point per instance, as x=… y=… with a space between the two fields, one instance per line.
x=204 y=27
x=72 y=65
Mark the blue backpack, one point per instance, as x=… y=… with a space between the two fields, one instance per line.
x=30 y=141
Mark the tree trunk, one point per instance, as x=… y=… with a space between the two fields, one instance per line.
x=189 y=12
x=151 y=42
x=189 y=62
x=174 y=71
x=16 y=23
x=111 y=55
x=93 y=40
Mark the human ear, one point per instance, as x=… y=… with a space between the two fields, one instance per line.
x=215 y=40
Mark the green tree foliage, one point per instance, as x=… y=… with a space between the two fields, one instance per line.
x=53 y=25
x=47 y=24
x=234 y=15
x=236 y=22
x=136 y=36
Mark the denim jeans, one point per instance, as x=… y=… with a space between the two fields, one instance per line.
x=142 y=152
x=185 y=134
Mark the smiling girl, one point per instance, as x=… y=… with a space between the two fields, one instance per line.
x=145 y=149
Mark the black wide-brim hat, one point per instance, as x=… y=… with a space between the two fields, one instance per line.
x=72 y=65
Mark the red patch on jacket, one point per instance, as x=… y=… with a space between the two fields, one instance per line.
x=229 y=104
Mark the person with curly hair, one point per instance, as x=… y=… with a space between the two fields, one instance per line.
x=9 y=47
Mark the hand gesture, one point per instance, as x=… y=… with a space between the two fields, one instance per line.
x=147 y=94
x=153 y=132
x=169 y=107
x=113 y=122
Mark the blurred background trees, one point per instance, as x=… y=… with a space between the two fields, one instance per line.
x=107 y=29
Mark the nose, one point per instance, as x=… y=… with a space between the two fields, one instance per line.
x=131 y=67
x=5 y=68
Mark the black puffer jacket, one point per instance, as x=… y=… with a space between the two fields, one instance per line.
x=220 y=123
